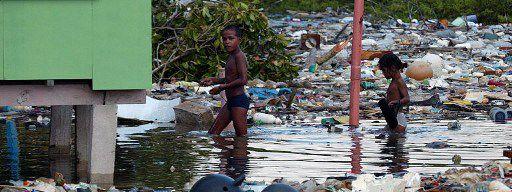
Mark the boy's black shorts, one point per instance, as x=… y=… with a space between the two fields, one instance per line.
x=238 y=101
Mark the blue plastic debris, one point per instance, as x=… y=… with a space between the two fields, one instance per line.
x=265 y=93
x=13 y=149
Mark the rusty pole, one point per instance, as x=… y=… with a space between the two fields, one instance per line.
x=355 y=69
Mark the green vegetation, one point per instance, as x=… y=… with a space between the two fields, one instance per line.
x=489 y=12
x=187 y=41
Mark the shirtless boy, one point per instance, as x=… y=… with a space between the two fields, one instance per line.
x=236 y=78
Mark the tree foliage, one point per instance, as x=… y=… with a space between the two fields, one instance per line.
x=187 y=41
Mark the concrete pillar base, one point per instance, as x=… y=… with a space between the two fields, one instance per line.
x=96 y=140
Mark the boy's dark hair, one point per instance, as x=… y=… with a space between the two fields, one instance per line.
x=233 y=28
x=390 y=59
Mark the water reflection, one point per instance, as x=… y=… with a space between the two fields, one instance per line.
x=32 y=160
x=233 y=156
x=157 y=158
x=395 y=155
x=63 y=165
x=13 y=149
x=355 y=156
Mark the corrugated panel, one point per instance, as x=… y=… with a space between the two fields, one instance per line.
x=47 y=39
x=122 y=44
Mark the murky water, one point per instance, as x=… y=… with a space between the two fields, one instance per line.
x=154 y=155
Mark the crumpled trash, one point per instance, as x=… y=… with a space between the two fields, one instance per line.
x=490 y=36
x=263 y=118
x=446 y=34
x=496 y=185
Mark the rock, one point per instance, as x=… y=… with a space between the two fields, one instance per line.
x=192 y=116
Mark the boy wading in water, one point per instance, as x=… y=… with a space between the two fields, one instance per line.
x=236 y=77
x=396 y=95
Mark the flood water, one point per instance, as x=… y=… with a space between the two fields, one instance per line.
x=154 y=155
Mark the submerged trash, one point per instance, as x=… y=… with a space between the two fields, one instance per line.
x=437 y=145
x=498 y=115
x=456 y=159
x=454 y=125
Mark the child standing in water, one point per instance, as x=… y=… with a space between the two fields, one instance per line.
x=396 y=95
x=237 y=103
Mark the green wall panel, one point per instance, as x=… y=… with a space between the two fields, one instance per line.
x=1 y=41
x=122 y=44
x=47 y=39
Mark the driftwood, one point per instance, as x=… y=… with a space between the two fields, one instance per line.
x=335 y=50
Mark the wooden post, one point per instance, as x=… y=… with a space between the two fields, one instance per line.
x=355 y=69
x=60 y=132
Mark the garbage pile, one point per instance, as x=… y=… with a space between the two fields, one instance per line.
x=493 y=176
x=57 y=184
x=453 y=67
x=462 y=66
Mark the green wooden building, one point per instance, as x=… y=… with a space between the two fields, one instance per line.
x=82 y=57
x=106 y=41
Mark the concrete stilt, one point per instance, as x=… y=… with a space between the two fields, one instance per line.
x=60 y=132
x=96 y=139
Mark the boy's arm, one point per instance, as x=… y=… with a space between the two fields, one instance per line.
x=402 y=87
x=241 y=65
x=217 y=80
x=212 y=81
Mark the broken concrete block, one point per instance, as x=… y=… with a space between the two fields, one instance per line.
x=192 y=116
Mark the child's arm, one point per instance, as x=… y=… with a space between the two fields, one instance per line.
x=241 y=65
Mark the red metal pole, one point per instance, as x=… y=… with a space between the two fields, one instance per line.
x=355 y=69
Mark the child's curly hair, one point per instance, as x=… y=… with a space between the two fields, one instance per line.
x=390 y=59
x=235 y=28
